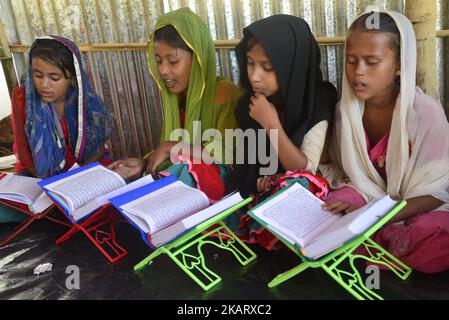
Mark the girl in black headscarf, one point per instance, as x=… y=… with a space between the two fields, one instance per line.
x=279 y=63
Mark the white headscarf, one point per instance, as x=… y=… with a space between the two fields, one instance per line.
x=418 y=123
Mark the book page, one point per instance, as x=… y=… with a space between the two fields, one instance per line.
x=372 y=212
x=174 y=230
x=166 y=205
x=296 y=214
x=41 y=204
x=361 y=219
x=349 y=226
x=212 y=210
x=82 y=187
x=104 y=199
x=94 y=204
x=21 y=189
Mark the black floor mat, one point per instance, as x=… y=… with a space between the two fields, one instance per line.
x=164 y=280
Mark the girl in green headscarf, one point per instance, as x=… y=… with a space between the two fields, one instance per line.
x=181 y=59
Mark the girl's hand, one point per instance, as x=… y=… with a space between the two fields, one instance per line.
x=263 y=183
x=162 y=152
x=131 y=168
x=263 y=112
x=337 y=206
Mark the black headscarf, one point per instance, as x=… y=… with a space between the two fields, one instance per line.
x=307 y=99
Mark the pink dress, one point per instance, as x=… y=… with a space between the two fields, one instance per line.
x=421 y=242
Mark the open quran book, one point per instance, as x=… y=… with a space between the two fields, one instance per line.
x=167 y=208
x=295 y=215
x=81 y=191
x=25 y=191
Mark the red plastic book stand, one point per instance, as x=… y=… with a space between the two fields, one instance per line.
x=30 y=219
x=99 y=229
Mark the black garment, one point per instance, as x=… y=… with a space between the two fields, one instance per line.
x=307 y=99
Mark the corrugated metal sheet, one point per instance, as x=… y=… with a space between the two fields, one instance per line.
x=122 y=78
x=443 y=53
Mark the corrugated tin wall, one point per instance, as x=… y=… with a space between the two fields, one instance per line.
x=122 y=78
x=443 y=53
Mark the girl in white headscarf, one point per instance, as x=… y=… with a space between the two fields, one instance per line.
x=389 y=137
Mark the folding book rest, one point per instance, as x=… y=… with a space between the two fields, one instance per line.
x=351 y=279
x=186 y=251
x=30 y=219
x=99 y=229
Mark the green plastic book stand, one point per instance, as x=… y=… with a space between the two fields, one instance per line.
x=186 y=251
x=351 y=279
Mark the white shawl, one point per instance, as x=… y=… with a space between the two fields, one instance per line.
x=418 y=123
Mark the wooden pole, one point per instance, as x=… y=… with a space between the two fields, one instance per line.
x=443 y=33
x=423 y=15
x=6 y=59
x=140 y=46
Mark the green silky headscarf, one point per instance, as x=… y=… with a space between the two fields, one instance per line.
x=202 y=81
